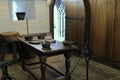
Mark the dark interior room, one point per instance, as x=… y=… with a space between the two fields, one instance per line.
x=59 y=40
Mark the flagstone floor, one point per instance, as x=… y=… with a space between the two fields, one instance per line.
x=97 y=71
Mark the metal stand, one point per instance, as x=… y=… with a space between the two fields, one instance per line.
x=87 y=56
x=5 y=75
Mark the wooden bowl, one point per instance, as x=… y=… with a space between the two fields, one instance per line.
x=67 y=43
x=28 y=38
x=46 y=45
x=41 y=36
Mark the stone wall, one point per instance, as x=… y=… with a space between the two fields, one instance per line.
x=38 y=25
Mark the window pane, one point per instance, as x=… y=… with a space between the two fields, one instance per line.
x=22 y=6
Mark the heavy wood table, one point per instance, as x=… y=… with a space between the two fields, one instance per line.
x=56 y=48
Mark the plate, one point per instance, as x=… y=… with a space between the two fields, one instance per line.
x=34 y=42
x=50 y=40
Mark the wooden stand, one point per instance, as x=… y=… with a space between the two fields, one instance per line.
x=9 y=37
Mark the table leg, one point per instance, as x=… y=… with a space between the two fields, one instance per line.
x=43 y=60
x=4 y=50
x=67 y=64
x=21 y=53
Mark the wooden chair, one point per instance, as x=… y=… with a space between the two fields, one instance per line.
x=3 y=47
x=9 y=38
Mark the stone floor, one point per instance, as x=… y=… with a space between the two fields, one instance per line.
x=97 y=71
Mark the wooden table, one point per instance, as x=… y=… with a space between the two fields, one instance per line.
x=57 y=48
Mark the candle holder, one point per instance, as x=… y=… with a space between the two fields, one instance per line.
x=27 y=54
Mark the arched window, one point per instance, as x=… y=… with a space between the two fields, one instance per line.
x=59 y=20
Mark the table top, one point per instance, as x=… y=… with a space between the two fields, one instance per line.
x=57 y=47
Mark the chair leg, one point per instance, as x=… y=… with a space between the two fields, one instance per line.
x=14 y=52
x=3 y=52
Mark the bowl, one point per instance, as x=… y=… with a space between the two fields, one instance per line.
x=46 y=45
x=67 y=43
x=28 y=38
x=41 y=36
